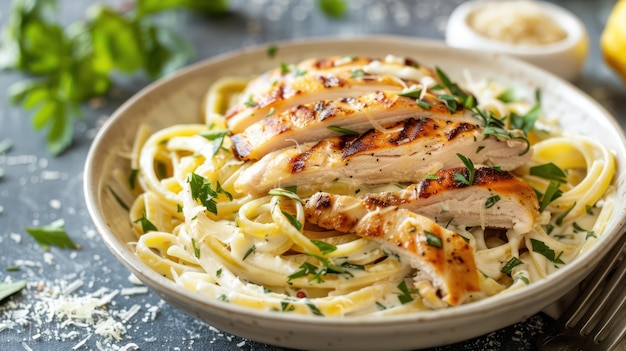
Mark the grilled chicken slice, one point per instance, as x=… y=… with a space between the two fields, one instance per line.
x=444 y=259
x=321 y=119
x=496 y=199
x=337 y=78
x=410 y=150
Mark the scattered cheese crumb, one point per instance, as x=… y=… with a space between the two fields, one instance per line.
x=16 y=237
x=48 y=258
x=55 y=204
x=134 y=291
x=133 y=279
x=26 y=347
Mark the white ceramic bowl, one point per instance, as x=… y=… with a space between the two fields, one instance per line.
x=177 y=99
x=565 y=58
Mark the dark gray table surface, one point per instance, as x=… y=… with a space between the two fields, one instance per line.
x=37 y=188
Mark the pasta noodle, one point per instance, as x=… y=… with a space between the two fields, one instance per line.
x=256 y=251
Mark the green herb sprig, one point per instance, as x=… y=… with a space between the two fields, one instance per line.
x=53 y=234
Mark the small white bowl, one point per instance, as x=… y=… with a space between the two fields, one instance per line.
x=565 y=58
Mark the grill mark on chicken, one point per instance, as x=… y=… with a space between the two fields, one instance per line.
x=450 y=268
x=446 y=199
x=413 y=149
x=310 y=122
x=310 y=81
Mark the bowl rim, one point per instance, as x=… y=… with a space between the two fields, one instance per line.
x=92 y=192
x=573 y=26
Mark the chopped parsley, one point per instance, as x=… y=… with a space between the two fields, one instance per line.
x=343 y=131
x=510 y=264
x=146 y=225
x=559 y=219
x=450 y=102
x=203 y=191
x=288 y=192
x=324 y=247
x=432 y=176
x=551 y=194
x=251 y=250
x=357 y=73
x=132 y=178
x=433 y=240
x=549 y=171
x=316 y=311
x=293 y=220
x=541 y=248
x=217 y=136
x=422 y=104
x=492 y=200
x=413 y=93
x=271 y=51
x=405 y=294
x=196 y=250
x=53 y=234
x=470 y=167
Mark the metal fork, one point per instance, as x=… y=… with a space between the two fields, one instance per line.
x=596 y=320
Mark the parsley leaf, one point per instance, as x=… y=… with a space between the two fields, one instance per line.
x=53 y=234
x=414 y=93
x=405 y=294
x=146 y=225
x=433 y=240
x=540 y=247
x=196 y=250
x=217 y=136
x=552 y=193
x=510 y=264
x=470 y=168
x=343 y=131
x=8 y=289
x=492 y=200
x=549 y=171
x=324 y=247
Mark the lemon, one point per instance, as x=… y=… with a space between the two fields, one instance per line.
x=613 y=40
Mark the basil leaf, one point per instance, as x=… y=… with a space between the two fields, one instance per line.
x=8 y=289
x=541 y=248
x=405 y=294
x=294 y=222
x=510 y=264
x=53 y=234
x=333 y=8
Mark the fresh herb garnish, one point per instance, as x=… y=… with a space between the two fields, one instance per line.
x=293 y=220
x=333 y=8
x=549 y=171
x=559 y=219
x=509 y=95
x=492 y=200
x=433 y=240
x=343 y=131
x=249 y=252
x=450 y=102
x=553 y=191
x=12 y=268
x=541 y=248
x=589 y=209
x=132 y=178
x=306 y=269
x=203 y=191
x=8 y=289
x=357 y=73
x=286 y=306
x=288 y=192
x=146 y=225
x=470 y=168
x=53 y=234
x=270 y=112
x=118 y=199
x=271 y=51
x=196 y=250
x=413 y=93
x=431 y=176
x=422 y=104
x=451 y=86
x=218 y=273
x=510 y=264
x=405 y=294
x=284 y=69
x=217 y=136
x=316 y=311
x=250 y=102
x=324 y=247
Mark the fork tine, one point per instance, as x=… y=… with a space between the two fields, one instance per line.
x=618 y=304
x=613 y=340
x=596 y=319
x=594 y=283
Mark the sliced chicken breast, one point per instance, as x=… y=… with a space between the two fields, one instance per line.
x=318 y=80
x=496 y=199
x=326 y=118
x=406 y=153
x=444 y=260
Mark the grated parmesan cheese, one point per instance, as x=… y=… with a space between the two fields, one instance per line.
x=516 y=22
